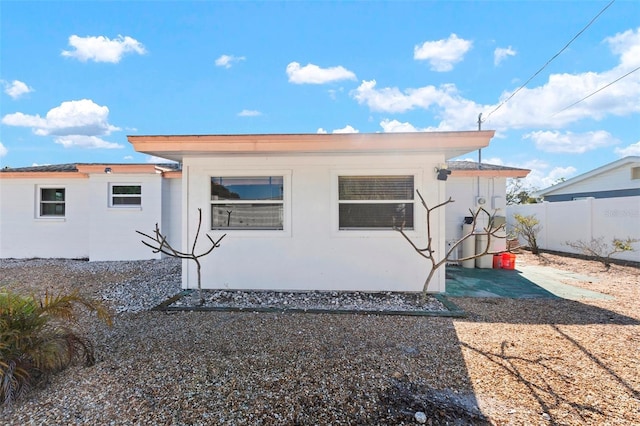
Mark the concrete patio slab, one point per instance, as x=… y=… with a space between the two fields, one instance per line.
x=525 y=282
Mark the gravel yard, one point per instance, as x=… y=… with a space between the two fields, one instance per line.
x=529 y=361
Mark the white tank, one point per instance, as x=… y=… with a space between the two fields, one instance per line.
x=468 y=246
x=486 y=261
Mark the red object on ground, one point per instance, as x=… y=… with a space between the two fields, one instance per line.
x=497 y=261
x=508 y=261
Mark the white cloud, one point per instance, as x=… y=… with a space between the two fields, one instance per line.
x=128 y=157
x=442 y=54
x=627 y=46
x=84 y=141
x=501 y=53
x=313 y=74
x=633 y=149
x=158 y=160
x=569 y=142
x=391 y=99
x=542 y=175
x=16 y=88
x=249 y=113
x=494 y=161
x=102 y=49
x=346 y=129
x=395 y=126
x=537 y=107
x=73 y=123
x=3 y=150
x=227 y=61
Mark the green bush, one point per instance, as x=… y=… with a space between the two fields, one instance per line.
x=36 y=339
x=528 y=227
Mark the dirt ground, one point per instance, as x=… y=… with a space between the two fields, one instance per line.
x=557 y=361
x=522 y=362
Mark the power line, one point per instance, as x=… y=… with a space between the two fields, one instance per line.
x=552 y=58
x=593 y=93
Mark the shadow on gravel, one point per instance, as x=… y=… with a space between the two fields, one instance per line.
x=546 y=375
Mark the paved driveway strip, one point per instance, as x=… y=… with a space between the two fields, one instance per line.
x=525 y=282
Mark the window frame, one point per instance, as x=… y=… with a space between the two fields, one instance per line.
x=249 y=231
x=112 y=205
x=40 y=202
x=377 y=232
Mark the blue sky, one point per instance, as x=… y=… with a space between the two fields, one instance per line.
x=78 y=77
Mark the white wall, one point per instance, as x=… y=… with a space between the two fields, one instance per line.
x=24 y=235
x=311 y=253
x=464 y=190
x=583 y=220
x=112 y=233
x=90 y=228
x=172 y=211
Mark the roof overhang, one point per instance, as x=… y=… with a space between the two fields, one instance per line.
x=507 y=173
x=177 y=147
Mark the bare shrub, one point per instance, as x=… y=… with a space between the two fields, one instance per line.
x=601 y=250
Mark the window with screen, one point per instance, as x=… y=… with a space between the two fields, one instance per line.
x=247 y=202
x=375 y=202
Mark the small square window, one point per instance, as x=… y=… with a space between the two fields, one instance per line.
x=52 y=202
x=126 y=196
x=635 y=173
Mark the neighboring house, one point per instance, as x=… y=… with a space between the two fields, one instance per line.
x=620 y=178
x=301 y=212
x=86 y=210
x=594 y=208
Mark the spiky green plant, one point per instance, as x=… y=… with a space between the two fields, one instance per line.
x=37 y=338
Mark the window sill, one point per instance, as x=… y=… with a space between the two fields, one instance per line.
x=253 y=233
x=50 y=219
x=372 y=233
x=125 y=208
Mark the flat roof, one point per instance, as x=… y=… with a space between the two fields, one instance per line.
x=176 y=147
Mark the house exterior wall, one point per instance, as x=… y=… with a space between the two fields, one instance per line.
x=171 y=225
x=311 y=253
x=112 y=234
x=24 y=235
x=465 y=190
x=90 y=228
x=584 y=220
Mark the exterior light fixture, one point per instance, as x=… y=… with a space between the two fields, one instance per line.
x=443 y=174
x=107 y=169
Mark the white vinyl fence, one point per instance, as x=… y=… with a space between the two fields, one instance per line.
x=583 y=220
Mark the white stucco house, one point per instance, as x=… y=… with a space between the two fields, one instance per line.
x=301 y=212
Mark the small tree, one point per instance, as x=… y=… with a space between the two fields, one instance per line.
x=429 y=252
x=519 y=193
x=528 y=227
x=601 y=250
x=161 y=245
